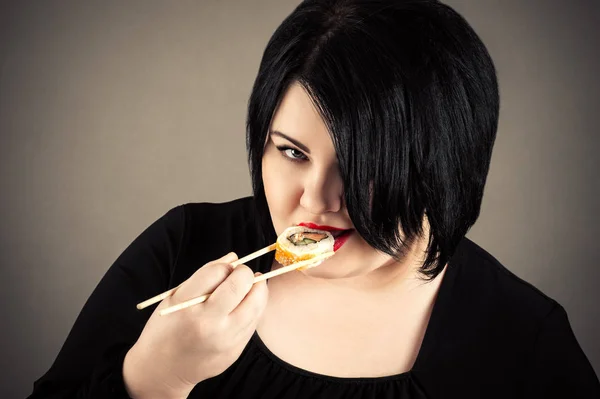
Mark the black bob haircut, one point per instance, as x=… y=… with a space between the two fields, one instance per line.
x=409 y=94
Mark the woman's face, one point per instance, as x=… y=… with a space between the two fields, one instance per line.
x=301 y=174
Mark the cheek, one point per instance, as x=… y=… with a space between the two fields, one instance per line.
x=282 y=190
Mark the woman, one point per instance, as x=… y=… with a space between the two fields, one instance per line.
x=374 y=117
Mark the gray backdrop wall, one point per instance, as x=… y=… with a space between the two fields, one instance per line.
x=112 y=112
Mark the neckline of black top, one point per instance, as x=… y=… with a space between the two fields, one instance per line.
x=430 y=338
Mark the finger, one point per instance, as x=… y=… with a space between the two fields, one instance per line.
x=230 y=292
x=248 y=312
x=206 y=279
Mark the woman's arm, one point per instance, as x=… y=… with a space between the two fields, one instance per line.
x=89 y=365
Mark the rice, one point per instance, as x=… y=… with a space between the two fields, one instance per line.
x=301 y=243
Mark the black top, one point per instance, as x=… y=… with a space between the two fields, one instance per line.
x=491 y=334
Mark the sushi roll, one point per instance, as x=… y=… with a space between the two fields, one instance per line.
x=299 y=243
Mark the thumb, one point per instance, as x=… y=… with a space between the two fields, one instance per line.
x=228 y=258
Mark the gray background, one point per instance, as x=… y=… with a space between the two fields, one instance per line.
x=113 y=112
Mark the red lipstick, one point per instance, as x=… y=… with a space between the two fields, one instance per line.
x=339 y=240
x=319 y=227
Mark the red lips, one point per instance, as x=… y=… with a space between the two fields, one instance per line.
x=339 y=240
x=319 y=227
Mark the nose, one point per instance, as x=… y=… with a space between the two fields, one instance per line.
x=322 y=193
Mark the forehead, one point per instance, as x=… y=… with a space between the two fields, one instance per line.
x=298 y=117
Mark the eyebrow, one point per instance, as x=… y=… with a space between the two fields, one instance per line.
x=288 y=138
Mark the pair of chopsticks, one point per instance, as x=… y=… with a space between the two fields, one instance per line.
x=200 y=299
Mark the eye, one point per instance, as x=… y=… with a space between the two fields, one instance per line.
x=292 y=154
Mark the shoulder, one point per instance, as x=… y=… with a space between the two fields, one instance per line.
x=212 y=229
x=208 y=220
x=230 y=224
x=502 y=332
x=526 y=332
x=495 y=313
x=235 y=211
x=486 y=283
x=488 y=316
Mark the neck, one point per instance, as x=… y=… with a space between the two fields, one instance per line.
x=377 y=273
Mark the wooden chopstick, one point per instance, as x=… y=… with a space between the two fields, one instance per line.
x=155 y=299
x=238 y=262
x=294 y=266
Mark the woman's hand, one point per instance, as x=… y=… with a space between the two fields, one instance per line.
x=176 y=351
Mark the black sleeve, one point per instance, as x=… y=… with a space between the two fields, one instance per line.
x=89 y=364
x=559 y=368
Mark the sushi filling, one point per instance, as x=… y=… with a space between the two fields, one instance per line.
x=306 y=238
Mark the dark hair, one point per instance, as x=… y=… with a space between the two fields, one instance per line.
x=409 y=94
